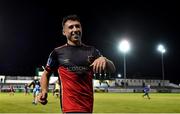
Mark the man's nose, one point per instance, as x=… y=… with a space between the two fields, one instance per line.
x=75 y=28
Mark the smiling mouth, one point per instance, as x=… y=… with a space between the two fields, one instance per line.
x=76 y=35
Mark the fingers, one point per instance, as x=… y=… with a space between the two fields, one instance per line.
x=103 y=65
x=99 y=65
x=42 y=98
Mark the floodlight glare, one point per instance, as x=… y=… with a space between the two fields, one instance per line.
x=124 y=46
x=161 y=48
x=119 y=75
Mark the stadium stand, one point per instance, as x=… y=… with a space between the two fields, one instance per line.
x=18 y=82
x=137 y=85
x=103 y=85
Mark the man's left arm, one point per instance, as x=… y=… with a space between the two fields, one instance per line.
x=103 y=64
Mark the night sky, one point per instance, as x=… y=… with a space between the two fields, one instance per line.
x=30 y=30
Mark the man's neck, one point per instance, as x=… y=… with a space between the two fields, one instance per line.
x=78 y=43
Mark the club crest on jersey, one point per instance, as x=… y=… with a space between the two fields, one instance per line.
x=91 y=59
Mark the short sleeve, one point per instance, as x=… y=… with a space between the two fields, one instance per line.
x=52 y=63
x=96 y=53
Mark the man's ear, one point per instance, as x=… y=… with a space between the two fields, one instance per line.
x=63 y=32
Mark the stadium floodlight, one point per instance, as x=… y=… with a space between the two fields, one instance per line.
x=162 y=50
x=119 y=75
x=124 y=47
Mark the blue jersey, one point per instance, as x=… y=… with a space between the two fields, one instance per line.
x=146 y=89
x=37 y=88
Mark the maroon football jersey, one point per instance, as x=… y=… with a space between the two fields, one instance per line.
x=75 y=74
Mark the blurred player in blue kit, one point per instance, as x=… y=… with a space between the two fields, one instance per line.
x=36 y=89
x=146 y=91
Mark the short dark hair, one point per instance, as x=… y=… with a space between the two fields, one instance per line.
x=73 y=17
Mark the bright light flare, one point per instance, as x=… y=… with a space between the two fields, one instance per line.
x=161 y=48
x=124 y=46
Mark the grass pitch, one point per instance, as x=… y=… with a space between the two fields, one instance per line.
x=103 y=103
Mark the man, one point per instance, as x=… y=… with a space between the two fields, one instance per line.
x=26 y=89
x=36 y=89
x=11 y=90
x=56 y=89
x=1 y=84
x=75 y=63
x=146 y=91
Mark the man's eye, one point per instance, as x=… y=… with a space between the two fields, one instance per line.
x=77 y=26
x=70 y=27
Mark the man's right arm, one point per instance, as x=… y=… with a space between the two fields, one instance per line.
x=44 y=82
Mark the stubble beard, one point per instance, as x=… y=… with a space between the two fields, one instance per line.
x=75 y=40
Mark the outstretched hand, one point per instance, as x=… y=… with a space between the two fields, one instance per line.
x=42 y=98
x=99 y=65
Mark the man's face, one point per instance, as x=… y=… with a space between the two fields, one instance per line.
x=73 y=31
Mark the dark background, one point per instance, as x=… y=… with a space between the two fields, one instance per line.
x=30 y=30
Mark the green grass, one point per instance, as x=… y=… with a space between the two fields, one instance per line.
x=133 y=102
x=104 y=103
